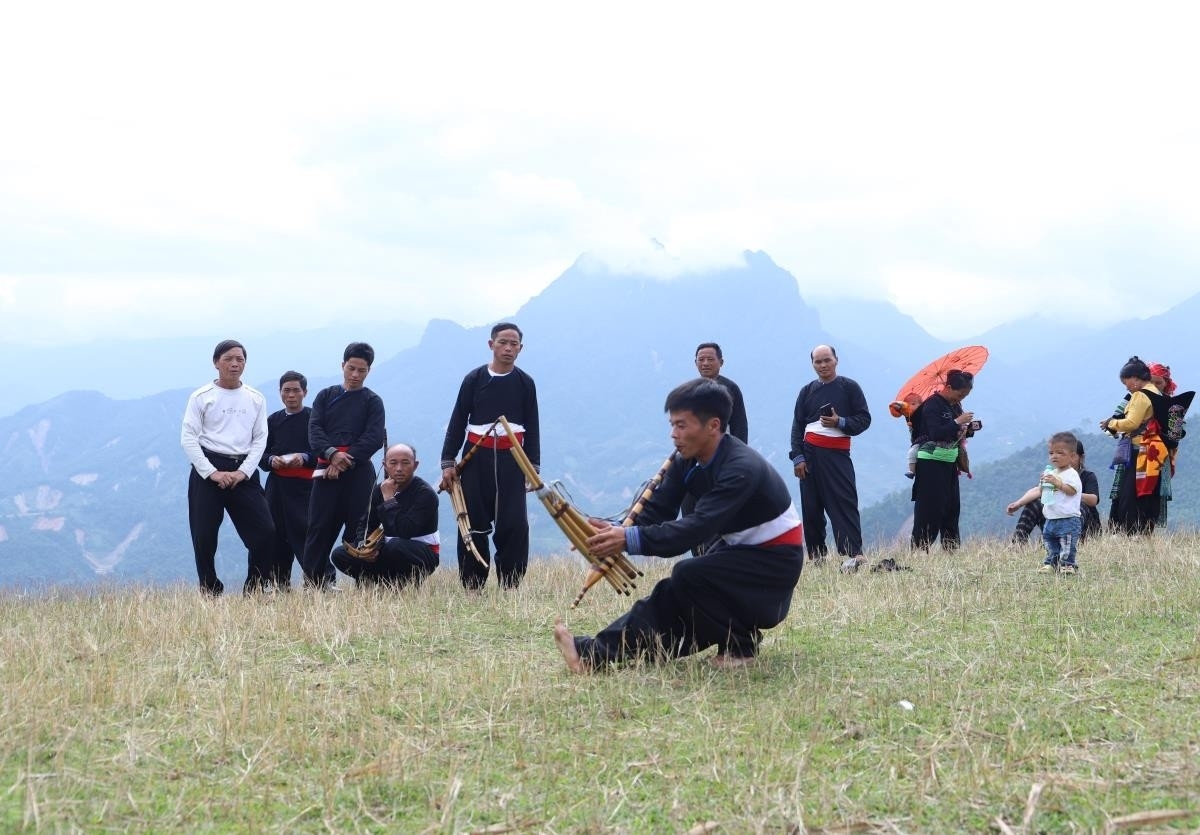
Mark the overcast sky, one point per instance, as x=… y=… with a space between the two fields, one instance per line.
x=176 y=168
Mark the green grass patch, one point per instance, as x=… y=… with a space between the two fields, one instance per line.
x=967 y=695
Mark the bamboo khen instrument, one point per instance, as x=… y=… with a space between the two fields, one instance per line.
x=595 y=573
x=618 y=571
x=459 y=502
x=367 y=549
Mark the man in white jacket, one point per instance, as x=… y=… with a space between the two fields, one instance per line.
x=224 y=435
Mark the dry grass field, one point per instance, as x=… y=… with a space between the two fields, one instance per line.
x=969 y=694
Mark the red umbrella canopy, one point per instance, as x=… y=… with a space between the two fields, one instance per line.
x=932 y=378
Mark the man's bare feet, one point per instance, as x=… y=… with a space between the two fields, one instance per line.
x=566 y=645
x=731 y=662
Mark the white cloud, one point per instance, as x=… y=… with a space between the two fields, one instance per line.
x=191 y=172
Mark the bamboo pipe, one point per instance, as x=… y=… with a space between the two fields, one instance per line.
x=459 y=502
x=573 y=524
x=634 y=511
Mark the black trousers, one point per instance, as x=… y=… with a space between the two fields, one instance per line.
x=401 y=562
x=494 y=489
x=829 y=489
x=288 y=499
x=336 y=505
x=723 y=598
x=247 y=508
x=1131 y=513
x=936 y=504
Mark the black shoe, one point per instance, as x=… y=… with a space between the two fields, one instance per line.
x=214 y=589
x=256 y=585
x=888 y=564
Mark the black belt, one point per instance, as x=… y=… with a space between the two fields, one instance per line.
x=236 y=459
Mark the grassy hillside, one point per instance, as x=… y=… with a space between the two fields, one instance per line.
x=969 y=694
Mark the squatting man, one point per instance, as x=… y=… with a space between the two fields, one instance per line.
x=741 y=585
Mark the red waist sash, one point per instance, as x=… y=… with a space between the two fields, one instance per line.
x=827 y=441
x=793 y=537
x=293 y=472
x=495 y=441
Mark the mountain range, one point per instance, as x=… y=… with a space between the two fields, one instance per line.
x=96 y=486
x=125 y=369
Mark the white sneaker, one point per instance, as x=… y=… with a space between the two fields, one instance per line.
x=852 y=564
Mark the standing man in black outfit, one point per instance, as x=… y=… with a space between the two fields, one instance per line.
x=407 y=508
x=830 y=410
x=493 y=485
x=289 y=464
x=346 y=427
x=739 y=586
x=709 y=361
x=224 y=434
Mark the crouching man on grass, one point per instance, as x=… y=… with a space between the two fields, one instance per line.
x=744 y=581
x=407 y=508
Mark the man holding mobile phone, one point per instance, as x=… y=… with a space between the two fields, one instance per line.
x=830 y=410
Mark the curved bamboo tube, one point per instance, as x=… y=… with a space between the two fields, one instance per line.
x=572 y=523
x=459 y=502
x=599 y=571
x=458 y=468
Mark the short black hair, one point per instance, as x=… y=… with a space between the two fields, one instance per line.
x=359 y=350
x=958 y=379
x=1067 y=439
x=1136 y=369
x=289 y=376
x=712 y=345
x=702 y=397
x=229 y=344
x=506 y=326
x=832 y=350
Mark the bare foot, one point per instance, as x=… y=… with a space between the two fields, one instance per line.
x=731 y=662
x=566 y=645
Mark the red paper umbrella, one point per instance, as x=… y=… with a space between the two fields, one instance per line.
x=932 y=378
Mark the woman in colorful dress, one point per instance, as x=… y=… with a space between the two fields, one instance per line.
x=1137 y=488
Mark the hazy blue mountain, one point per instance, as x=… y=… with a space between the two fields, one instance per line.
x=94 y=488
x=1167 y=337
x=1034 y=337
x=860 y=324
x=127 y=368
x=96 y=485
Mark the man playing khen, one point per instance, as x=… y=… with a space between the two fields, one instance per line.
x=742 y=584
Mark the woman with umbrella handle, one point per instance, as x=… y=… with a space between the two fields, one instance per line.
x=940 y=425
